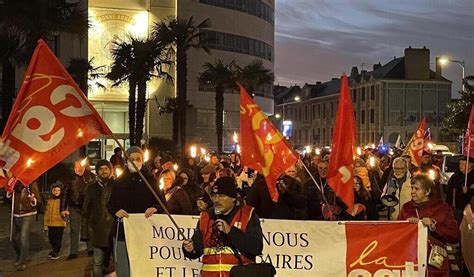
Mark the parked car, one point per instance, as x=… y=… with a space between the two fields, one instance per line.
x=450 y=165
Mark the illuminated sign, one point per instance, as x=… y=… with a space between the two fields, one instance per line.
x=110 y=27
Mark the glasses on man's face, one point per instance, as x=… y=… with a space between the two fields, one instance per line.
x=398 y=168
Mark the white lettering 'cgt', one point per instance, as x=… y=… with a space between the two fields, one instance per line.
x=33 y=137
x=409 y=271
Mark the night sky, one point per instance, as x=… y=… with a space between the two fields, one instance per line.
x=316 y=40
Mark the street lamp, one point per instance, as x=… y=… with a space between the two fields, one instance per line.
x=297 y=98
x=462 y=64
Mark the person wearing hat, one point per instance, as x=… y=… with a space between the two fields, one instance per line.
x=132 y=195
x=459 y=192
x=225 y=231
x=95 y=215
x=71 y=203
x=208 y=174
x=166 y=163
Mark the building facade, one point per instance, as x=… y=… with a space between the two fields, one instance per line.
x=240 y=31
x=388 y=101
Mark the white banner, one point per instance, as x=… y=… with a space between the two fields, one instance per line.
x=300 y=248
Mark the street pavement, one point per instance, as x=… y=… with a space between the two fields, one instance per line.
x=39 y=264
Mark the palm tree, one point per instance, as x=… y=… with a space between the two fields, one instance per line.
x=137 y=63
x=170 y=106
x=179 y=36
x=31 y=20
x=84 y=71
x=220 y=76
x=254 y=75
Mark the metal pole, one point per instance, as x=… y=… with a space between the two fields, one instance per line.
x=11 y=218
x=467 y=152
x=321 y=189
x=180 y=230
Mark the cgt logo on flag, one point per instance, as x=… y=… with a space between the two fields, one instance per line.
x=50 y=119
x=381 y=253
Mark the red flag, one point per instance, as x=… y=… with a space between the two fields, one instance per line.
x=469 y=138
x=417 y=143
x=50 y=119
x=263 y=147
x=343 y=145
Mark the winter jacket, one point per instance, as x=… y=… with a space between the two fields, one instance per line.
x=446 y=228
x=94 y=212
x=52 y=215
x=177 y=200
x=131 y=194
x=291 y=202
x=194 y=192
x=403 y=193
x=23 y=205
x=455 y=197
x=73 y=196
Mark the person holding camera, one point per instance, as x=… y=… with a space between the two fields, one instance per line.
x=226 y=235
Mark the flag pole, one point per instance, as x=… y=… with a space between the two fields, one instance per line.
x=318 y=186
x=180 y=230
x=468 y=152
x=11 y=217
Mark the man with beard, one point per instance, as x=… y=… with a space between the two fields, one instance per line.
x=72 y=201
x=398 y=185
x=227 y=234
x=94 y=212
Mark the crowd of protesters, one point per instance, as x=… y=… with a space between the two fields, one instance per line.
x=94 y=204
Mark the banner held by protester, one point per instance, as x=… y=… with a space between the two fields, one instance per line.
x=315 y=248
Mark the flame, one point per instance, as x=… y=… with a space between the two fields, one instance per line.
x=175 y=167
x=84 y=162
x=238 y=148
x=193 y=151
x=118 y=171
x=146 y=156
x=207 y=158
x=317 y=151
x=162 y=183
x=432 y=174
x=235 y=137
x=203 y=151
x=307 y=149
x=29 y=162
x=359 y=151
x=372 y=161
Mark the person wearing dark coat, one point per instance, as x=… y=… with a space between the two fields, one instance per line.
x=458 y=195
x=72 y=201
x=177 y=200
x=191 y=188
x=435 y=214
x=131 y=195
x=291 y=202
x=229 y=227
x=95 y=214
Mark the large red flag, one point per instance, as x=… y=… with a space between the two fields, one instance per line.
x=416 y=144
x=343 y=145
x=469 y=137
x=263 y=147
x=50 y=119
